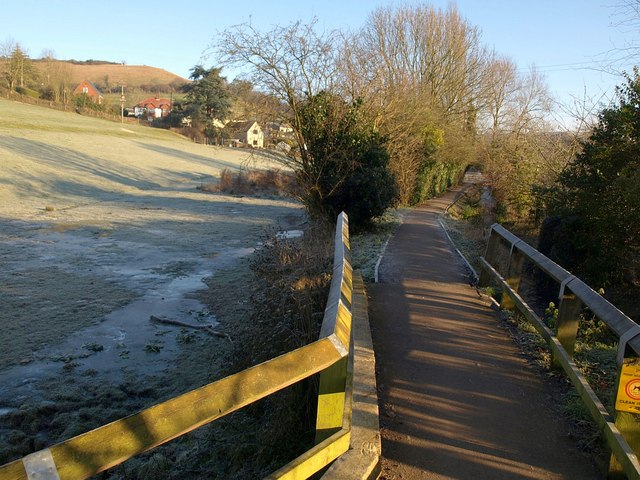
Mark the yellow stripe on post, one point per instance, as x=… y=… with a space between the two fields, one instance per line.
x=331 y=398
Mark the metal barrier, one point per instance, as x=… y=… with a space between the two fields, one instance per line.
x=573 y=295
x=107 y=446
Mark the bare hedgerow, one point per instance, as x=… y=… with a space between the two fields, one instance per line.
x=254 y=182
x=289 y=297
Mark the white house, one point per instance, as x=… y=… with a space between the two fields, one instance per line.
x=249 y=133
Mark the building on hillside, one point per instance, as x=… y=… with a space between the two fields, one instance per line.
x=248 y=133
x=278 y=130
x=90 y=90
x=276 y=133
x=153 y=108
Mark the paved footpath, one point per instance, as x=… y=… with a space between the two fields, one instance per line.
x=457 y=399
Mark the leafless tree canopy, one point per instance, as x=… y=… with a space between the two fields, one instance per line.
x=422 y=72
x=290 y=62
x=439 y=96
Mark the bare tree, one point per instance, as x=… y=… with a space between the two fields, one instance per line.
x=17 y=68
x=626 y=18
x=56 y=76
x=249 y=103
x=500 y=92
x=339 y=148
x=6 y=68
x=292 y=63
x=520 y=148
x=422 y=72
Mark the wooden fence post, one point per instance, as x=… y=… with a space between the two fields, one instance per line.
x=513 y=277
x=331 y=398
x=490 y=257
x=568 y=316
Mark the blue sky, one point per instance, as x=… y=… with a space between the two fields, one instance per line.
x=565 y=39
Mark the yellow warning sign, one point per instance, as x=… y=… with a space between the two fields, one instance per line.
x=628 y=398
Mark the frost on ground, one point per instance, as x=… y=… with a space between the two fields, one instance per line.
x=100 y=228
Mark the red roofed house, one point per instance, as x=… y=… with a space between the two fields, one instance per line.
x=153 y=108
x=89 y=89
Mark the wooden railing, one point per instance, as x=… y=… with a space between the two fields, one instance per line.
x=503 y=264
x=95 y=451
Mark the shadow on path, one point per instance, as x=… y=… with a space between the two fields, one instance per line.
x=457 y=400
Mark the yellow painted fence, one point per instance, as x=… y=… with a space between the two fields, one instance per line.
x=97 y=450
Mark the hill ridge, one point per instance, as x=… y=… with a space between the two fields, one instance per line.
x=109 y=74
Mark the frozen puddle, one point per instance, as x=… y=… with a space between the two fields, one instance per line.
x=126 y=339
x=289 y=234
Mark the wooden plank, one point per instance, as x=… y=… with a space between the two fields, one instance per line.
x=315 y=459
x=111 y=444
x=13 y=471
x=341 y=289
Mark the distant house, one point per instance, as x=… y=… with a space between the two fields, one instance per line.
x=153 y=108
x=278 y=133
x=248 y=133
x=90 y=90
x=278 y=130
x=283 y=147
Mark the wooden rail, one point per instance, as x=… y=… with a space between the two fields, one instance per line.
x=573 y=294
x=97 y=450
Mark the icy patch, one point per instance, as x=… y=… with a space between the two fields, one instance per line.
x=289 y=234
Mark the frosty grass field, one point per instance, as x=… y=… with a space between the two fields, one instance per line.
x=102 y=226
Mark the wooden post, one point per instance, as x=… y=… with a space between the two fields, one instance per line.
x=513 y=277
x=331 y=398
x=490 y=257
x=568 y=316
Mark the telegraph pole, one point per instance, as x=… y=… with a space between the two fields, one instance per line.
x=121 y=103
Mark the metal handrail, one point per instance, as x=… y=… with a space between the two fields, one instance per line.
x=607 y=312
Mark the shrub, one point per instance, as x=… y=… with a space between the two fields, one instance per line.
x=347 y=169
x=598 y=197
x=252 y=182
x=291 y=291
x=434 y=178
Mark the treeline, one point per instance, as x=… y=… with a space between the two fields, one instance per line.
x=420 y=86
x=398 y=109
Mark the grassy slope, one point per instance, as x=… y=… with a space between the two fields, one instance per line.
x=57 y=158
x=130 y=75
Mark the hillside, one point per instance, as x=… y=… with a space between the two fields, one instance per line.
x=48 y=157
x=105 y=74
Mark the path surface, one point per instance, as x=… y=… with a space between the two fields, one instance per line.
x=457 y=400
